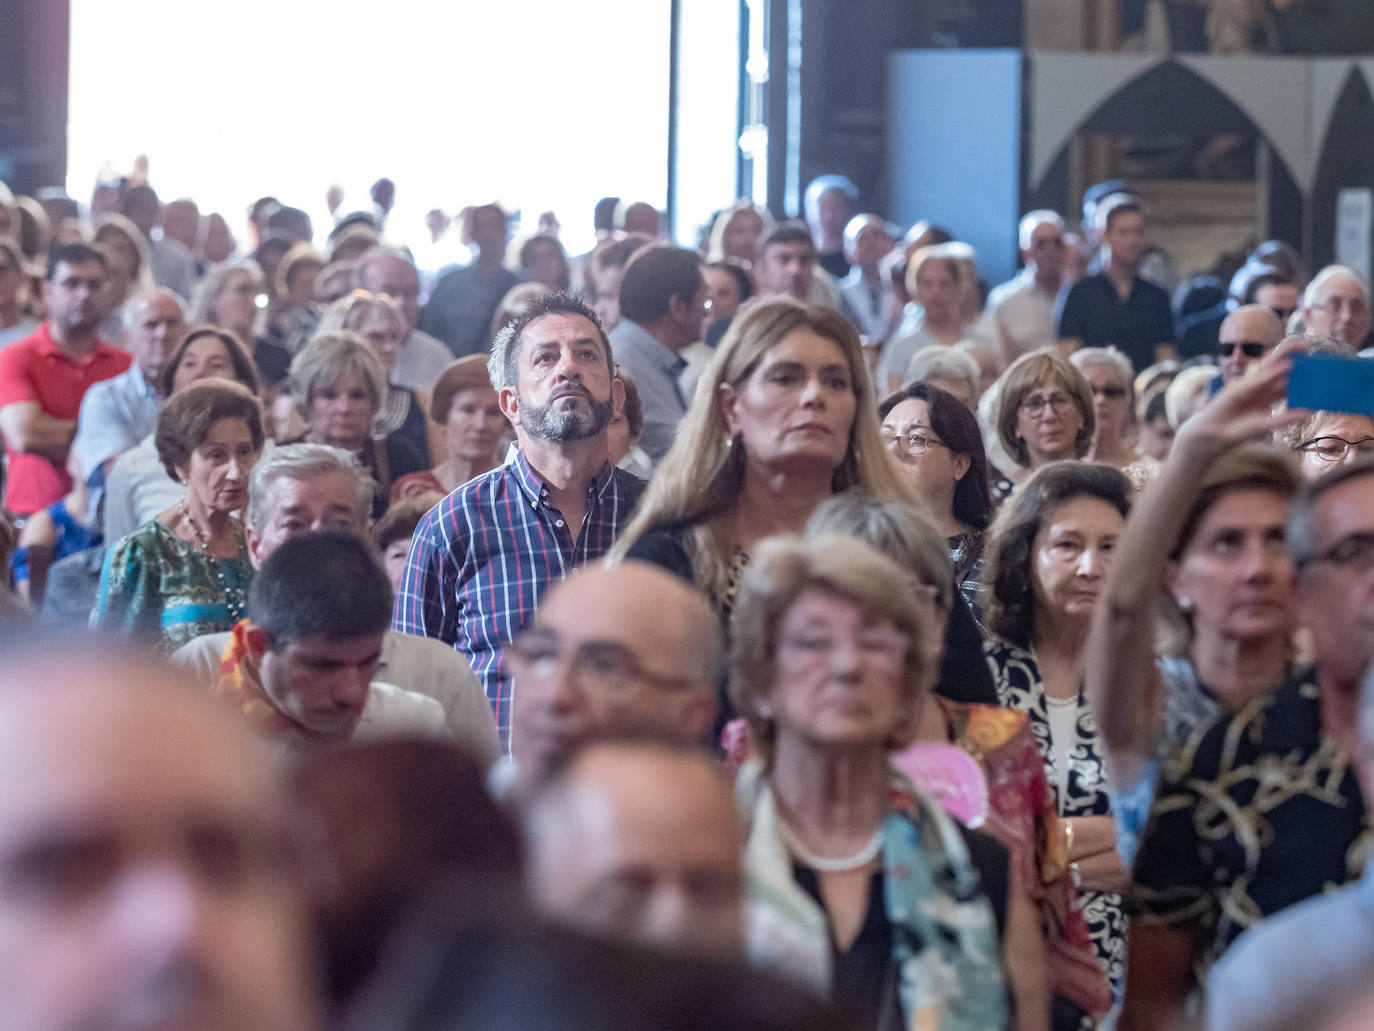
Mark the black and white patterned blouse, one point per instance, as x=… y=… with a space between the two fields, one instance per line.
x=1018 y=683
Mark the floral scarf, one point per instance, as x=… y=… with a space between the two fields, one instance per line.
x=238 y=683
x=944 y=936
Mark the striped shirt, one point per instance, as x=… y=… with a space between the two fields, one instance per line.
x=482 y=558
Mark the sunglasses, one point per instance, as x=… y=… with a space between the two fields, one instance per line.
x=1249 y=348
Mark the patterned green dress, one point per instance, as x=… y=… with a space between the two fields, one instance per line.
x=158 y=588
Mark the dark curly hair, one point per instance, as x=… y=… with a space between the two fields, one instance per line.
x=1010 y=553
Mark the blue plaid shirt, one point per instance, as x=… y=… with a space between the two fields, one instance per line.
x=482 y=558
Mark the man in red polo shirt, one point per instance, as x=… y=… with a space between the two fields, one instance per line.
x=44 y=376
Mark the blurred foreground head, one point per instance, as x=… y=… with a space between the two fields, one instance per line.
x=636 y=835
x=511 y=972
x=380 y=826
x=145 y=875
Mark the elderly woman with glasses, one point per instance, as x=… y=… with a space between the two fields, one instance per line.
x=980 y=762
x=1045 y=411
x=1326 y=440
x=857 y=884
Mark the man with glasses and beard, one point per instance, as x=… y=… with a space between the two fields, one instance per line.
x=483 y=557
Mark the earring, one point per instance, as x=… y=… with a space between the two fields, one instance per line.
x=1185 y=603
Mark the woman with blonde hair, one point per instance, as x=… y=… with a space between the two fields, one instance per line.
x=227 y=297
x=338 y=382
x=736 y=232
x=377 y=319
x=935 y=281
x=783 y=417
x=516 y=299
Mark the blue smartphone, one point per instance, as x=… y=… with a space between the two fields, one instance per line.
x=1332 y=383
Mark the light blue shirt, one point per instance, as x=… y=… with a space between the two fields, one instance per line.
x=115 y=415
x=1279 y=972
x=655 y=369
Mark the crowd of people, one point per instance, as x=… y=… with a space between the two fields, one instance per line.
x=784 y=630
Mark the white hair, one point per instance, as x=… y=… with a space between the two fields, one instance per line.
x=1319 y=281
x=128 y=315
x=305 y=462
x=1180 y=396
x=376 y=254
x=934 y=362
x=1033 y=220
x=1086 y=356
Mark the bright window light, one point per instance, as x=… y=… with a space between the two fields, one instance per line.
x=537 y=104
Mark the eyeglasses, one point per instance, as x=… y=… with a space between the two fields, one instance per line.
x=913 y=443
x=1035 y=406
x=1112 y=393
x=1334 y=449
x=1354 y=552
x=603 y=668
x=1249 y=348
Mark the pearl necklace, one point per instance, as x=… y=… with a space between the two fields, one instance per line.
x=234 y=598
x=843 y=864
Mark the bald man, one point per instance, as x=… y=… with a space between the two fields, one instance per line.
x=628 y=646
x=1246 y=336
x=606 y=854
x=144 y=874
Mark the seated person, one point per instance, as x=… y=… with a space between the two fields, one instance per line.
x=606 y=855
x=632 y=645
x=300 y=666
x=303 y=488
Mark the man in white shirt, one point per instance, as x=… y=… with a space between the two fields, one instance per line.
x=1022 y=309
x=866 y=295
x=300 y=669
x=303 y=488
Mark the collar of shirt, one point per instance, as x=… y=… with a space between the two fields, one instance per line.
x=655 y=350
x=48 y=346
x=136 y=382
x=533 y=487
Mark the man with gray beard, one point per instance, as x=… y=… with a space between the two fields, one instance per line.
x=482 y=558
